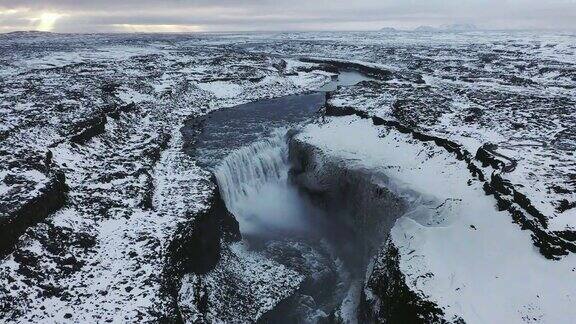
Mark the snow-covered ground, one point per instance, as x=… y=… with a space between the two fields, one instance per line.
x=456 y=249
x=108 y=110
x=105 y=112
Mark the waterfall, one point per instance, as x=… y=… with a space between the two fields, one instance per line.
x=245 y=171
x=254 y=184
x=277 y=219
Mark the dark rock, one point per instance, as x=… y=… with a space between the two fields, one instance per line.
x=371 y=71
x=89 y=128
x=50 y=198
x=196 y=247
x=484 y=155
x=280 y=65
x=394 y=302
x=337 y=188
x=565 y=205
x=117 y=111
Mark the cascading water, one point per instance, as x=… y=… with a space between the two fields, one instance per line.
x=254 y=184
x=250 y=163
x=250 y=167
x=278 y=220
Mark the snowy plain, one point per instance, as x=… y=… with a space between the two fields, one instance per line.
x=107 y=111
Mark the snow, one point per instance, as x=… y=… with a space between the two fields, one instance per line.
x=256 y=282
x=130 y=186
x=54 y=85
x=222 y=89
x=490 y=266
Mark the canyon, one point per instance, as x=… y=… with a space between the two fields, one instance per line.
x=287 y=177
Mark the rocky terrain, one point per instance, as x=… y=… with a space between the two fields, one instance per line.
x=455 y=162
x=94 y=181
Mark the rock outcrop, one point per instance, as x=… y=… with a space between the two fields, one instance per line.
x=387 y=299
x=357 y=197
x=32 y=188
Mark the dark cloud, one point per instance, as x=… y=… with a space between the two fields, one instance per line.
x=116 y=15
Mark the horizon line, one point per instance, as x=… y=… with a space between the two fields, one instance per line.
x=383 y=29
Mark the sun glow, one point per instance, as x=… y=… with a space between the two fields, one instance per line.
x=9 y=12
x=47 y=20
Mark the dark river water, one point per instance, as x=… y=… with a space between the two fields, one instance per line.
x=228 y=129
x=245 y=147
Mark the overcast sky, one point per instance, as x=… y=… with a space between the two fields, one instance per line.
x=270 y=15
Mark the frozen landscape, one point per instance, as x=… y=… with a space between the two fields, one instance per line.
x=304 y=177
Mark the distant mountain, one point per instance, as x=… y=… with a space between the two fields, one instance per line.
x=459 y=27
x=425 y=29
x=28 y=32
x=447 y=28
x=388 y=29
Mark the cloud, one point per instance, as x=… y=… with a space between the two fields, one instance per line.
x=230 y=15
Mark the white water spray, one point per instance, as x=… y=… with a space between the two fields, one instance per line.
x=254 y=184
x=246 y=170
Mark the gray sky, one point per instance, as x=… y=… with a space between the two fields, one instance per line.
x=268 y=15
